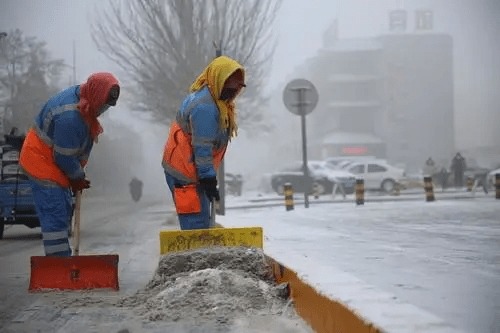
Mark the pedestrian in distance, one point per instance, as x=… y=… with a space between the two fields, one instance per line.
x=443 y=178
x=135 y=186
x=56 y=150
x=430 y=168
x=198 y=138
x=458 y=167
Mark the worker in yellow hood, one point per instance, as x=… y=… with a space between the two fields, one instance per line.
x=198 y=139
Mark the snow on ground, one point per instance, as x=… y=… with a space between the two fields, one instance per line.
x=441 y=257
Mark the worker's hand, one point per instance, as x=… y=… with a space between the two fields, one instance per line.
x=79 y=185
x=209 y=185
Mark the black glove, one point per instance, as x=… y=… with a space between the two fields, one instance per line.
x=79 y=185
x=209 y=185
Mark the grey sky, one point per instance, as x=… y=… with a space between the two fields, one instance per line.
x=474 y=24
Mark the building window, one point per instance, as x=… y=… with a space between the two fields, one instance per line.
x=424 y=20
x=397 y=20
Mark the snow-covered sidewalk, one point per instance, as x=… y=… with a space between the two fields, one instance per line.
x=411 y=266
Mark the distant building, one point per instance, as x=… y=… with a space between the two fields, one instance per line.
x=390 y=96
x=419 y=107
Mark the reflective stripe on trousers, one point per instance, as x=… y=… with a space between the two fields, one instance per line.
x=54 y=210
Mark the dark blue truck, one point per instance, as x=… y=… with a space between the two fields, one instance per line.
x=16 y=198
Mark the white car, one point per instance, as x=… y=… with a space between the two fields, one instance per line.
x=325 y=176
x=335 y=175
x=340 y=162
x=377 y=174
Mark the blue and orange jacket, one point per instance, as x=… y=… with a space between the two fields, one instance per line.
x=203 y=126
x=57 y=147
x=197 y=143
x=59 y=144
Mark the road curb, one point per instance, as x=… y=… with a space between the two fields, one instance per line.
x=264 y=204
x=350 y=305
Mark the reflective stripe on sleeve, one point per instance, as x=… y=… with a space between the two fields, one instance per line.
x=67 y=151
x=176 y=174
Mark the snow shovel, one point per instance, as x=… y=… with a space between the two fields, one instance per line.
x=76 y=272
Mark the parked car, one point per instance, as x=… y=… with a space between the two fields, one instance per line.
x=17 y=205
x=491 y=177
x=474 y=172
x=339 y=162
x=339 y=165
x=324 y=177
x=377 y=174
x=234 y=184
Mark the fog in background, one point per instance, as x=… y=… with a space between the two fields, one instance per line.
x=473 y=24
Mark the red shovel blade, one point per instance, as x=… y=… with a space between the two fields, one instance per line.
x=73 y=273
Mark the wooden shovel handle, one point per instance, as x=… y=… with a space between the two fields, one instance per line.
x=76 y=234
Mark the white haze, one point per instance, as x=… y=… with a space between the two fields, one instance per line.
x=474 y=25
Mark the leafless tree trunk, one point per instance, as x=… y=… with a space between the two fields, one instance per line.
x=162 y=45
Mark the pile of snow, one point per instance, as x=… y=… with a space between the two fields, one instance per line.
x=211 y=284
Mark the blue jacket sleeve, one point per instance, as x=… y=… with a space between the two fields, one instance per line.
x=69 y=136
x=205 y=124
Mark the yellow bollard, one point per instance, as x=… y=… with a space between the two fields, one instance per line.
x=470 y=183
x=497 y=185
x=360 y=191
x=315 y=190
x=288 y=196
x=429 y=191
x=397 y=189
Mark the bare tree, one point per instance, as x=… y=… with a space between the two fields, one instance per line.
x=29 y=78
x=162 y=45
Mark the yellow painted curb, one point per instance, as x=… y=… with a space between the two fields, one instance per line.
x=323 y=314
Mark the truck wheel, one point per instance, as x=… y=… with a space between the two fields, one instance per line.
x=2 y=225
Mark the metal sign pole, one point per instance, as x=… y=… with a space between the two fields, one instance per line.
x=222 y=171
x=300 y=97
x=302 y=111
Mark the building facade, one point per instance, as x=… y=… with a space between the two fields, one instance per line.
x=390 y=96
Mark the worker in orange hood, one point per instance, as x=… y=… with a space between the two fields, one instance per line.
x=198 y=139
x=56 y=150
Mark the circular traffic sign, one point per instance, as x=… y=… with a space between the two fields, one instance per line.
x=300 y=96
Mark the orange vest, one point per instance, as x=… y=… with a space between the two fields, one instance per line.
x=37 y=159
x=178 y=155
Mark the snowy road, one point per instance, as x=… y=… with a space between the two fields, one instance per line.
x=442 y=257
x=114 y=225
x=109 y=225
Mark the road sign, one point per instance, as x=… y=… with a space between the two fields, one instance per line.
x=300 y=96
